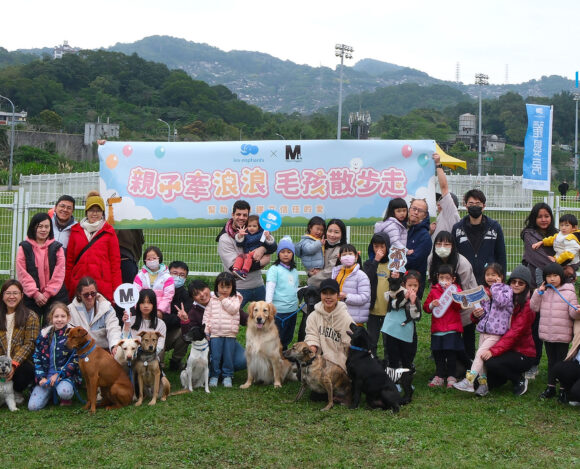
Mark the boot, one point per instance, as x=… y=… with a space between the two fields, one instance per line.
x=563 y=397
x=548 y=393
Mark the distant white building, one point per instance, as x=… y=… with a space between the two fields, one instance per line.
x=100 y=131
x=6 y=117
x=63 y=49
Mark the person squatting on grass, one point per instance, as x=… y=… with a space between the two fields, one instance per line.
x=55 y=368
x=556 y=303
x=145 y=317
x=281 y=291
x=222 y=323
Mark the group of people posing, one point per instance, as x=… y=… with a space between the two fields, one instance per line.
x=67 y=273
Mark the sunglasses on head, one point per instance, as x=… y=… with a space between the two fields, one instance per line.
x=90 y=294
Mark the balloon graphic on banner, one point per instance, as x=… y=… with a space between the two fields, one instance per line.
x=127 y=150
x=407 y=151
x=160 y=152
x=112 y=161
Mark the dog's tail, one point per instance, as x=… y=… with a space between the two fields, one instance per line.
x=182 y=391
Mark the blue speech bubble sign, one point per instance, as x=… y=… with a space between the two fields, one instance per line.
x=270 y=220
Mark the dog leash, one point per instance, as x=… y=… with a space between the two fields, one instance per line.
x=560 y=294
x=74 y=386
x=283 y=320
x=360 y=349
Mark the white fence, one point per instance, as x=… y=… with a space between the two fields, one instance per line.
x=197 y=246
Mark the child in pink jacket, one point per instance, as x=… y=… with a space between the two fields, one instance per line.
x=156 y=276
x=558 y=307
x=222 y=323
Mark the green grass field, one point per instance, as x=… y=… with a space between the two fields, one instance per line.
x=262 y=427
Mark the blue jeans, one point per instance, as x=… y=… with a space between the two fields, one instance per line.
x=41 y=395
x=239 y=357
x=222 y=351
x=253 y=294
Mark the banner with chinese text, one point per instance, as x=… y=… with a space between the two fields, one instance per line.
x=538 y=148
x=196 y=184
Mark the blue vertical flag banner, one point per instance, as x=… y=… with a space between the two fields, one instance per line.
x=538 y=148
x=195 y=184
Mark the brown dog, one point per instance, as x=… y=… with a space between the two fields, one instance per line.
x=320 y=375
x=147 y=370
x=263 y=348
x=100 y=370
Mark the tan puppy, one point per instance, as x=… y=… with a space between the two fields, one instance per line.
x=127 y=352
x=100 y=370
x=263 y=348
x=147 y=370
x=320 y=375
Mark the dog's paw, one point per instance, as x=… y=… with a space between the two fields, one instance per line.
x=152 y=402
x=277 y=385
x=245 y=385
x=138 y=403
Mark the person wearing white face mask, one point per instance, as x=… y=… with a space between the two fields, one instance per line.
x=355 y=287
x=156 y=276
x=445 y=252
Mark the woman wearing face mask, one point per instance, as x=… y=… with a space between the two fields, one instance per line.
x=93 y=250
x=355 y=287
x=156 y=276
x=445 y=252
x=335 y=237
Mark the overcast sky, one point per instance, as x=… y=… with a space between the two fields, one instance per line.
x=533 y=38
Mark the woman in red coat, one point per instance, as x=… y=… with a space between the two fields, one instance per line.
x=93 y=250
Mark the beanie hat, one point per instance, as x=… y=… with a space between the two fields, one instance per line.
x=553 y=268
x=286 y=243
x=94 y=198
x=523 y=273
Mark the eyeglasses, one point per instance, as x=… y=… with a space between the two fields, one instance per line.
x=90 y=294
x=418 y=210
x=518 y=282
x=12 y=293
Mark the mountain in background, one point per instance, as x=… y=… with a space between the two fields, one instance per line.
x=282 y=86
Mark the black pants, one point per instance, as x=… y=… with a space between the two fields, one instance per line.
x=400 y=353
x=23 y=376
x=537 y=341
x=469 y=341
x=568 y=373
x=445 y=362
x=374 y=325
x=556 y=352
x=507 y=367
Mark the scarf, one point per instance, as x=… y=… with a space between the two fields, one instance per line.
x=343 y=273
x=91 y=228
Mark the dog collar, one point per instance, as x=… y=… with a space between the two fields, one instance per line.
x=85 y=355
x=202 y=348
x=2 y=380
x=360 y=349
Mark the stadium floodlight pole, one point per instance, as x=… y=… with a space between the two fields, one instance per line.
x=11 y=144
x=344 y=52
x=168 y=129
x=576 y=98
x=480 y=80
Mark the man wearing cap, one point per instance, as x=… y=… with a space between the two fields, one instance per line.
x=63 y=219
x=326 y=326
x=447 y=203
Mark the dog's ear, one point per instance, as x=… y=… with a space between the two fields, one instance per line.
x=251 y=309
x=138 y=340
x=142 y=333
x=158 y=334
x=272 y=309
x=121 y=342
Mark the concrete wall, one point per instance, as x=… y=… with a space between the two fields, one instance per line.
x=69 y=145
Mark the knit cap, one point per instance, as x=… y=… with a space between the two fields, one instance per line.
x=523 y=273
x=286 y=243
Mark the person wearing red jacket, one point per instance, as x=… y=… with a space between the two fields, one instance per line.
x=445 y=330
x=515 y=352
x=93 y=250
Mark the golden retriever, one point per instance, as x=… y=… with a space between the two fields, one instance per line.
x=263 y=348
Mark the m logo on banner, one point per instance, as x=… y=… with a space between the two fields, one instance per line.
x=293 y=154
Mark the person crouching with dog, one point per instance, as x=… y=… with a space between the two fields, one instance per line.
x=222 y=323
x=327 y=325
x=55 y=369
x=282 y=291
x=146 y=318
x=446 y=328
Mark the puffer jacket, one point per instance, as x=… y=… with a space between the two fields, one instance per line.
x=556 y=317
x=358 y=293
x=222 y=318
x=451 y=320
x=62 y=353
x=163 y=286
x=497 y=311
x=395 y=230
x=519 y=336
x=309 y=250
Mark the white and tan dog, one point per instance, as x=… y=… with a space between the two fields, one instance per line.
x=127 y=352
x=6 y=387
x=196 y=372
x=263 y=348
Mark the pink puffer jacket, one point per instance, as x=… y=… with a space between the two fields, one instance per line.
x=222 y=318
x=556 y=317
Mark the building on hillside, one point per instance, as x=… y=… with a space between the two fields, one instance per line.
x=359 y=124
x=63 y=49
x=100 y=131
x=467 y=133
x=6 y=117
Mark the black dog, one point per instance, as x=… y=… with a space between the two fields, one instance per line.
x=309 y=296
x=369 y=376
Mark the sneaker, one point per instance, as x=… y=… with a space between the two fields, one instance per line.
x=548 y=393
x=65 y=402
x=395 y=373
x=574 y=403
x=18 y=398
x=243 y=273
x=239 y=274
x=521 y=388
x=532 y=372
x=213 y=381
x=482 y=390
x=436 y=382
x=464 y=385
x=451 y=381
x=227 y=382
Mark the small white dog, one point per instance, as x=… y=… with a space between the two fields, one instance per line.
x=6 y=387
x=196 y=372
x=127 y=352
